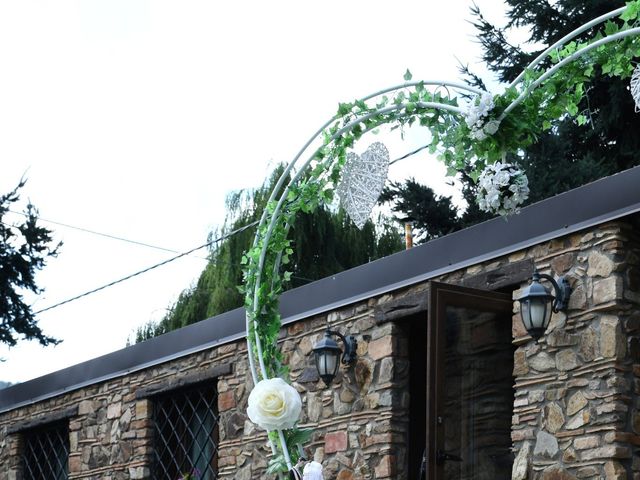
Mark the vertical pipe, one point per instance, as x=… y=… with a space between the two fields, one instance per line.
x=408 y=235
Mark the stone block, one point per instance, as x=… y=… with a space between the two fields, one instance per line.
x=546 y=445
x=385 y=372
x=566 y=360
x=612 y=341
x=335 y=442
x=607 y=290
x=554 y=418
x=584 y=443
x=576 y=403
x=607 y=452
x=386 y=467
x=579 y=420
x=520 y=468
x=86 y=407
x=557 y=473
x=382 y=347
x=542 y=362
x=614 y=471
x=589 y=345
x=600 y=265
x=226 y=401
x=114 y=410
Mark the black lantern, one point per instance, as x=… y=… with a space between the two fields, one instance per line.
x=327 y=354
x=537 y=303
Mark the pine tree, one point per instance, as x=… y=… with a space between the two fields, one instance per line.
x=326 y=242
x=24 y=249
x=570 y=155
x=563 y=158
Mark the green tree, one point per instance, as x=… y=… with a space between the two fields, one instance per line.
x=430 y=214
x=565 y=157
x=326 y=243
x=24 y=249
x=569 y=155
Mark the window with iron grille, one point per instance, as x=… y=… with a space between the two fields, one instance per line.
x=45 y=452
x=186 y=434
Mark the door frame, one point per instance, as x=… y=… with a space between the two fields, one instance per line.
x=441 y=295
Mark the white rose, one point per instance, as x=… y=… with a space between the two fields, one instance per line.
x=502 y=178
x=312 y=471
x=274 y=405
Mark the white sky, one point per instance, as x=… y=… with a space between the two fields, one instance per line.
x=136 y=118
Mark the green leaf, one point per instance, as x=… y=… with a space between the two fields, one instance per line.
x=610 y=28
x=277 y=465
x=631 y=12
x=582 y=120
x=407 y=76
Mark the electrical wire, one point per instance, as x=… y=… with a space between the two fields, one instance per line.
x=140 y=272
x=165 y=262
x=417 y=150
x=106 y=235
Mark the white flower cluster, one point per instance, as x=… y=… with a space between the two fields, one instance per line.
x=477 y=114
x=502 y=188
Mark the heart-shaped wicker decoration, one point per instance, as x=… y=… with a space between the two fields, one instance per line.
x=635 y=87
x=362 y=182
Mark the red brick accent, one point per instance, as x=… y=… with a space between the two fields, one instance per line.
x=335 y=442
x=226 y=401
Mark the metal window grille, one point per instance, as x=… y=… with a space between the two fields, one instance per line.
x=186 y=434
x=45 y=452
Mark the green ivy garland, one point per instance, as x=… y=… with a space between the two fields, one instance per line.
x=542 y=103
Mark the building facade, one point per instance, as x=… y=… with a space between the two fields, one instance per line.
x=446 y=375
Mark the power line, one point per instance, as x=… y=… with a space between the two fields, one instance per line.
x=106 y=235
x=409 y=154
x=140 y=272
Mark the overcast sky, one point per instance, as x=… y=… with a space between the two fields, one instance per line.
x=136 y=117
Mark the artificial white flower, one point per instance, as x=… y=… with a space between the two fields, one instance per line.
x=491 y=127
x=312 y=471
x=478 y=134
x=502 y=188
x=477 y=114
x=274 y=405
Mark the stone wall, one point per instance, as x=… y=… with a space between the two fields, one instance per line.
x=576 y=413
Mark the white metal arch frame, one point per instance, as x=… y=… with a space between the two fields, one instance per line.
x=270 y=218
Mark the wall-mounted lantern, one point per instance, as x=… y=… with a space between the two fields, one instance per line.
x=327 y=354
x=537 y=303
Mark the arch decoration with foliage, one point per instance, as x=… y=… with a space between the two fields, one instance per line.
x=476 y=138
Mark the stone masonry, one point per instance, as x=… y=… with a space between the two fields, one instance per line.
x=576 y=412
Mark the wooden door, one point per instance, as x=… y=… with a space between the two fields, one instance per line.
x=469 y=384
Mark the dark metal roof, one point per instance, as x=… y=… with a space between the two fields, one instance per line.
x=606 y=199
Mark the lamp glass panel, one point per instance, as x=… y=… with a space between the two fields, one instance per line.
x=327 y=362
x=539 y=313
x=525 y=312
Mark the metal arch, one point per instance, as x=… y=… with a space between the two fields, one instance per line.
x=254 y=339
x=566 y=38
x=571 y=58
x=358 y=120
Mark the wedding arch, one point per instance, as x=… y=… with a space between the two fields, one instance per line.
x=475 y=137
